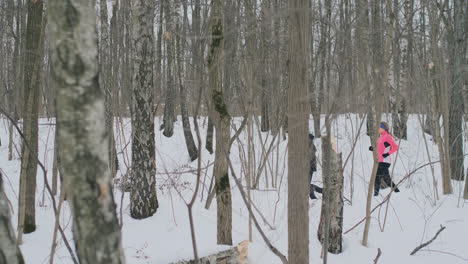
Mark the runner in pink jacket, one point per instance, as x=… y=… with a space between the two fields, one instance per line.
x=385 y=147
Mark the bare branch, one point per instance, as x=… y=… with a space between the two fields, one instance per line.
x=442 y=228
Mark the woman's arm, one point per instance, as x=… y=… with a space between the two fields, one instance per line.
x=393 y=145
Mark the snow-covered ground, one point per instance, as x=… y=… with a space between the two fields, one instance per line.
x=413 y=215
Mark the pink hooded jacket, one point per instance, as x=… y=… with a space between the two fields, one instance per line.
x=386 y=144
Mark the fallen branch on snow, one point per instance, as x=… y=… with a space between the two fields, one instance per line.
x=235 y=255
x=379 y=253
x=428 y=242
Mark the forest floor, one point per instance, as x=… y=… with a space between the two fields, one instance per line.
x=413 y=216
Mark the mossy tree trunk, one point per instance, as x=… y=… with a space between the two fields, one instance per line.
x=221 y=121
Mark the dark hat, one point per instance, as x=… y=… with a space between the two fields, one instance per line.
x=311 y=137
x=383 y=126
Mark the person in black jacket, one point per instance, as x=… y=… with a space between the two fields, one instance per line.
x=313 y=168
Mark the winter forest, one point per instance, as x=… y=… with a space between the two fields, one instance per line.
x=233 y=131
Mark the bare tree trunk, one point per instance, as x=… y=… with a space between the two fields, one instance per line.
x=31 y=98
x=169 y=106
x=9 y=251
x=127 y=68
x=380 y=56
x=222 y=122
x=400 y=115
x=265 y=95
x=106 y=84
x=180 y=47
x=143 y=199
x=456 y=44
x=159 y=57
x=298 y=112
x=83 y=139
x=333 y=188
x=438 y=101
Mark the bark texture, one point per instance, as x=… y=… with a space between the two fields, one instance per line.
x=333 y=188
x=457 y=44
x=298 y=165
x=169 y=106
x=83 y=138
x=143 y=199
x=31 y=99
x=221 y=121
x=9 y=251
x=105 y=73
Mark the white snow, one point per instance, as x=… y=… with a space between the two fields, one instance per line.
x=413 y=215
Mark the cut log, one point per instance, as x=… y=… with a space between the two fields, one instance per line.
x=235 y=255
x=333 y=188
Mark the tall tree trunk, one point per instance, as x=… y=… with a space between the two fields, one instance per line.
x=106 y=84
x=375 y=92
x=191 y=148
x=169 y=106
x=400 y=115
x=222 y=122
x=159 y=57
x=298 y=112
x=143 y=199
x=230 y=48
x=83 y=139
x=439 y=102
x=456 y=44
x=127 y=66
x=29 y=152
x=265 y=70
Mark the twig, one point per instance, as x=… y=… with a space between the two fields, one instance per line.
x=379 y=253
x=428 y=242
x=49 y=190
x=443 y=252
x=57 y=221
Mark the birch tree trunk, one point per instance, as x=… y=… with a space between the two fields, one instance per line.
x=143 y=199
x=31 y=99
x=333 y=188
x=222 y=122
x=83 y=139
x=298 y=112
x=9 y=251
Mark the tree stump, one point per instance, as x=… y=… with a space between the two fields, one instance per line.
x=333 y=188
